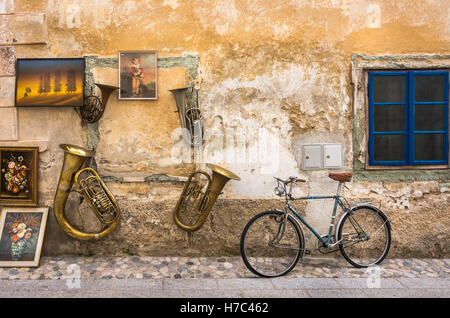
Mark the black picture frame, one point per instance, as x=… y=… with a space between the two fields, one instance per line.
x=50 y=82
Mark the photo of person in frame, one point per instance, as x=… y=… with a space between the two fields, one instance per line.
x=138 y=75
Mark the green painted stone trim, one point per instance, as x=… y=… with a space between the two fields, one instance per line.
x=157 y=177
x=354 y=56
x=111 y=179
x=401 y=61
x=188 y=61
x=93 y=136
x=92 y=62
x=160 y=177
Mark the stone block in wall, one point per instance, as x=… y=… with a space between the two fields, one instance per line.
x=7 y=60
x=106 y=76
x=7 y=89
x=29 y=29
x=6 y=6
x=23 y=29
x=6 y=29
x=8 y=124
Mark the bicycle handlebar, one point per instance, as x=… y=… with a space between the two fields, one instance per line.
x=290 y=179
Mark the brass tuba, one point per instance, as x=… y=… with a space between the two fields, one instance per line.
x=199 y=196
x=92 y=188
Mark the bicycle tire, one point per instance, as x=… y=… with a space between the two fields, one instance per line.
x=299 y=248
x=345 y=248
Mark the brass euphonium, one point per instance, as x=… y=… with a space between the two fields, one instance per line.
x=92 y=188
x=198 y=198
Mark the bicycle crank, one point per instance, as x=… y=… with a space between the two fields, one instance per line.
x=327 y=249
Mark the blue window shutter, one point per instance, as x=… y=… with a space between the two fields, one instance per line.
x=444 y=103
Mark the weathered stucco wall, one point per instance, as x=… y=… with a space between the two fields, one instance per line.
x=284 y=69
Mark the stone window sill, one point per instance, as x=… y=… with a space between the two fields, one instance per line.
x=402 y=175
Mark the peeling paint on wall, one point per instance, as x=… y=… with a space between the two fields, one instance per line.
x=288 y=69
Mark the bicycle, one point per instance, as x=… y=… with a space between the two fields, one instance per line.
x=272 y=242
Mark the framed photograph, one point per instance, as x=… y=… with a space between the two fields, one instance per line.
x=50 y=82
x=21 y=235
x=19 y=176
x=138 y=75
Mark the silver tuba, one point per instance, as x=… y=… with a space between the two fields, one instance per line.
x=190 y=116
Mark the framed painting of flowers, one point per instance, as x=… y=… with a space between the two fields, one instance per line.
x=22 y=232
x=19 y=176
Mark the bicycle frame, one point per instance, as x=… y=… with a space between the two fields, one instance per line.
x=337 y=201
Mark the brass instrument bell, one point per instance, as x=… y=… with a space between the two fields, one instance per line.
x=90 y=185
x=198 y=197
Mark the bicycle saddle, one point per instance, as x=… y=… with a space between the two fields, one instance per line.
x=341 y=176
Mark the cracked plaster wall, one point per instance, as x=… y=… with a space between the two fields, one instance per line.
x=281 y=68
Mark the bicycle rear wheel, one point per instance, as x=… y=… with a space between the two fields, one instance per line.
x=271 y=244
x=366 y=236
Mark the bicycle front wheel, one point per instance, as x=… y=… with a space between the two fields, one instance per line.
x=271 y=244
x=365 y=235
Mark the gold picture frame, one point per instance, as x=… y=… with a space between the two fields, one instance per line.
x=19 y=176
x=22 y=231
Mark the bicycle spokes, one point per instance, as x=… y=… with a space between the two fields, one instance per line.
x=365 y=236
x=271 y=244
x=281 y=221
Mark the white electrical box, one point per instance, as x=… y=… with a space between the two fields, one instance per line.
x=332 y=156
x=312 y=157
x=321 y=156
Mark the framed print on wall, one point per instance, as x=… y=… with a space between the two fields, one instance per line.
x=138 y=75
x=21 y=235
x=19 y=176
x=50 y=82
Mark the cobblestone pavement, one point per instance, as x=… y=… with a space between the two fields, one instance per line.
x=211 y=267
x=224 y=277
